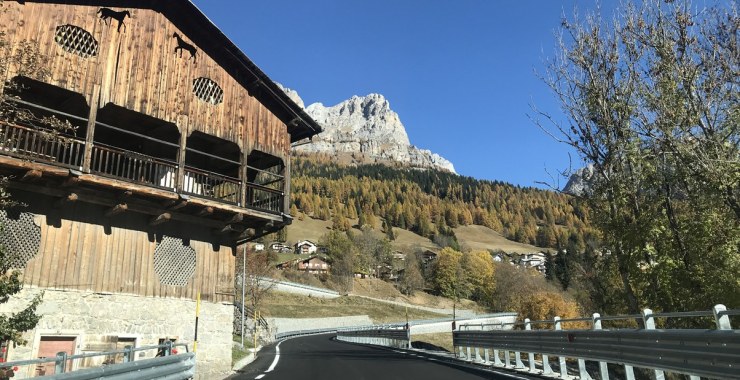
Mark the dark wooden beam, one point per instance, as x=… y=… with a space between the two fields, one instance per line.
x=161 y=218
x=31 y=175
x=247 y=233
x=138 y=206
x=253 y=88
x=117 y=209
x=178 y=205
x=70 y=198
x=227 y=229
x=71 y=182
x=294 y=123
x=237 y=218
x=206 y=211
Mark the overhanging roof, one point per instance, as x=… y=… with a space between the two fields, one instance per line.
x=209 y=38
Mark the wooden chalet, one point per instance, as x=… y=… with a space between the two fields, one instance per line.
x=312 y=264
x=180 y=152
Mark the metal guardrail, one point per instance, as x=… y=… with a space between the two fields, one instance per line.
x=391 y=336
x=170 y=364
x=168 y=367
x=694 y=352
x=293 y=334
x=462 y=320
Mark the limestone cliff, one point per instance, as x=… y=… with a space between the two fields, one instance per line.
x=365 y=128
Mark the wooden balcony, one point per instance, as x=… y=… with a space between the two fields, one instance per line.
x=30 y=142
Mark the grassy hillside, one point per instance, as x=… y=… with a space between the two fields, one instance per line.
x=285 y=305
x=473 y=236
x=484 y=238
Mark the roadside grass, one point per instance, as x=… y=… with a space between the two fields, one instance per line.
x=286 y=305
x=375 y=288
x=237 y=352
x=430 y=341
x=283 y=257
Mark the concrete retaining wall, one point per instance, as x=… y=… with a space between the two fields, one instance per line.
x=283 y=325
x=446 y=326
x=294 y=288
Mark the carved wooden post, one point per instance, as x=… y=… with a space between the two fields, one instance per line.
x=286 y=187
x=90 y=135
x=182 y=125
x=243 y=178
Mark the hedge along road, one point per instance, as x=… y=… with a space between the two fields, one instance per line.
x=321 y=357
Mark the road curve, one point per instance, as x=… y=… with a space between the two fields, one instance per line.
x=321 y=357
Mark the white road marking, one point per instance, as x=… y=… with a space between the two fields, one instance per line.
x=260 y=376
x=277 y=357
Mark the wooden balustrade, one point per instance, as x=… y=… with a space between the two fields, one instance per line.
x=42 y=146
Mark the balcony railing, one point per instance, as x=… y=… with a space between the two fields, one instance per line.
x=264 y=198
x=40 y=146
x=212 y=185
x=134 y=167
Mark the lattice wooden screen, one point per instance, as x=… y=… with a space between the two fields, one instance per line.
x=174 y=262
x=76 y=40
x=208 y=91
x=20 y=238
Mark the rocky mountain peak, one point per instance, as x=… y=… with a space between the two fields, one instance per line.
x=367 y=130
x=580 y=182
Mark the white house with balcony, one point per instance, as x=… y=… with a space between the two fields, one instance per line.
x=304 y=247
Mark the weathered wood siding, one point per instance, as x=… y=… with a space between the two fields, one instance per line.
x=117 y=255
x=138 y=69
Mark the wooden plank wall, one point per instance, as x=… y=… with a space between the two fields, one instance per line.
x=75 y=254
x=138 y=69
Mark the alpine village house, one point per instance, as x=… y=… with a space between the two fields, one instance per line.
x=179 y=155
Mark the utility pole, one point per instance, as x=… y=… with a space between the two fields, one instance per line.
x=244 y=279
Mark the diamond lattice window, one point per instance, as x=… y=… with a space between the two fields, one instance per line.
x=20 y=238
x=76 y=40
x=208 y=91
x=174 y=262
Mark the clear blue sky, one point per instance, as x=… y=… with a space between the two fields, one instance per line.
x=460 y=74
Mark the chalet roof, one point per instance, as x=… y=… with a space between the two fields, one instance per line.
x=209 y=38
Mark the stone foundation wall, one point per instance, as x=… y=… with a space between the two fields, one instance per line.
x=96 y=321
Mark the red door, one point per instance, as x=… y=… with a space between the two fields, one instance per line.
x=49 y=346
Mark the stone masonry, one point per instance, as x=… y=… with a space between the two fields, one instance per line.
x=96 y=317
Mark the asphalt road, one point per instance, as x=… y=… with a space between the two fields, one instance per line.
x=321 y=357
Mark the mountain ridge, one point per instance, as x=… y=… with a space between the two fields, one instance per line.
x=366 y=130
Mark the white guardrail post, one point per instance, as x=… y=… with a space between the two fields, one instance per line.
x=530 y=355
x=561 y=359
x=647 y=318
x=518 y=360
x=546 y=369
x=596 y=325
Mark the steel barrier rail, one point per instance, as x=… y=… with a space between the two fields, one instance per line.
x=391 y=337
x=174 y=367
x=396 y=334
x=121 y=371
x=696 y=352
x=710 y=353
x=293 y=334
